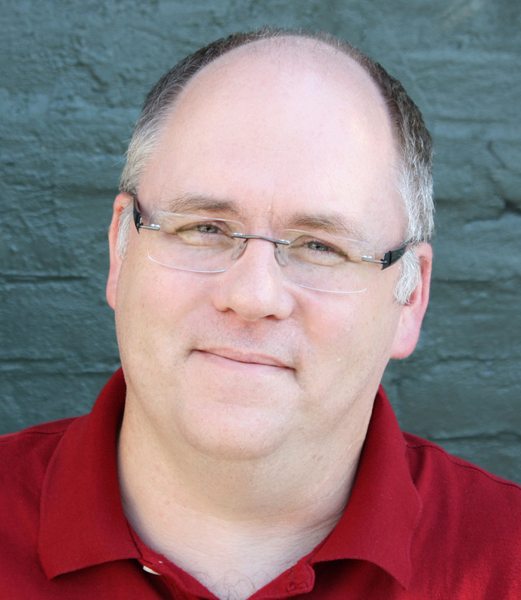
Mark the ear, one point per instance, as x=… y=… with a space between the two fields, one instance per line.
x=121 y=201
x=412 y=313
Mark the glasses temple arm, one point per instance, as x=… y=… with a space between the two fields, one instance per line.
x=138 y=219
x=393 y=256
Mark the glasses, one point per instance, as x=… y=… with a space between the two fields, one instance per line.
x=208 y=245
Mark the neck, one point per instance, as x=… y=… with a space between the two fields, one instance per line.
x=242 y=521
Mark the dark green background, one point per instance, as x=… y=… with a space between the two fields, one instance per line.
x=73 y=76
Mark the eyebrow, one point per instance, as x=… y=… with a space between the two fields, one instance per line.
x=332 y=223
x=187 y=204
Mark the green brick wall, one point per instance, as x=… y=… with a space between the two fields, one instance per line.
x=73 y=76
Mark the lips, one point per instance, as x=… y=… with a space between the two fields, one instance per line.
x=246 y=357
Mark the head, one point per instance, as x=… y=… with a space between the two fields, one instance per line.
x=414 y=143
x=278 y=133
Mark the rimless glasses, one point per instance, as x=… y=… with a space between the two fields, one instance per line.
x=210 y=245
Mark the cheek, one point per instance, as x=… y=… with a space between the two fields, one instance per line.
x=331 y=330
x=154 y=293
x=151 y=301
x=353 y=330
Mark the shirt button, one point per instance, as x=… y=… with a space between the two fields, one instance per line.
x=149 y=570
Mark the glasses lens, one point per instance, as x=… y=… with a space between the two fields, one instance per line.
x=193 y=243
x=327 y=263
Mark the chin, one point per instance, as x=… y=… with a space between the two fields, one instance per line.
x=235 y=433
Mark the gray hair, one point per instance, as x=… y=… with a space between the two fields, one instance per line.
x=414 y=171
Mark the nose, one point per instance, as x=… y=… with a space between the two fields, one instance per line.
x=254 y=287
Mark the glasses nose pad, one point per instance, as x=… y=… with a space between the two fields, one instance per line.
x=239 y=249
x=281 y=257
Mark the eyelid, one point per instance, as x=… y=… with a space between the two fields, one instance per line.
x=311 y=238
x=326 y=237
x=354 y=253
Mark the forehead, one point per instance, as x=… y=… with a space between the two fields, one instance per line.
x=280 y=127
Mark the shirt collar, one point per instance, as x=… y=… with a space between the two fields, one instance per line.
x=384 y=508
x=82 y=521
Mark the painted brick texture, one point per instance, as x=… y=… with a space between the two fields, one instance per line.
x=74 y=75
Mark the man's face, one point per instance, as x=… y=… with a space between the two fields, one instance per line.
x=245 y=364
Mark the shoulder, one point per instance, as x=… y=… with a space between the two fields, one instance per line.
x=50 y=428
x=471 y=519
x=24 y=457
x=436 y=471
x=34 y=439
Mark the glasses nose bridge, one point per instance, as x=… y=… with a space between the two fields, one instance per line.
x=242 y=248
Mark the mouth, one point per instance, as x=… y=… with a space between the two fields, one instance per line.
x=234 y=358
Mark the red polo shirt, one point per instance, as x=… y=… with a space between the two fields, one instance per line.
x=420 y=524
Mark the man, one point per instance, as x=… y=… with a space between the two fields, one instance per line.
x=269 y=255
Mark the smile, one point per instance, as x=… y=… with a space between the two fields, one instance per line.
x=233 y=359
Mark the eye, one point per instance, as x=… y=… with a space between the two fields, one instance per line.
x=316 y=251
x=197 y=228
x=203 y=234
x=207 y=228
x=319 y=246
